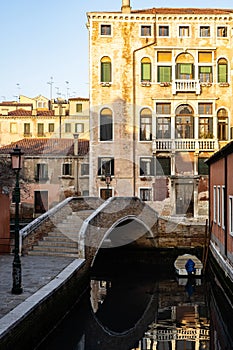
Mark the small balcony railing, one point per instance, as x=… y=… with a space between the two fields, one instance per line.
x=183 y=85
x=184 y=145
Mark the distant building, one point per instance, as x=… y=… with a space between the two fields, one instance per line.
x=160 y=103
x=53 y=169
x=221 y=207
x=41 y=117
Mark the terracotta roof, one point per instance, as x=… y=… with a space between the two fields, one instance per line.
x=79 y=99
x=198 y=11
x=20 y=111
x=47 y=146
x=15 y=104
x=44 y=113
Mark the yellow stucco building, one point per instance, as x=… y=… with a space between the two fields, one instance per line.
x=160 y=103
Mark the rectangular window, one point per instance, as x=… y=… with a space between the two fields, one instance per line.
x=164 y=56
x=105 y=166
x=26 y=129
x=66 y=169
x=163 y=108
x=106 y=72
x=205 y=74
x=145 y=30
x=223 y=207
x=41 y=172
x=163 y=30
x=40 y=201
x=222 y=73
x=105 y=29
x=145 y=71
x=185 y=71
x=163 y=128
x=205 y=108
x=205 y=31
x=51 y=127
x=146 y=166
x=145 y=194
x=204 y=57
x=79 y=107
x=231 y=215
x=203 y=168
x=222 y=32
x=215 y=204
x=219 y=205
x=84 y=169
x=183 y=31
x=40 y=129
x=163 y=166
x=79 y=127
x=67 y=127
x=13 y=128
x=145 y=128
x=164 y=74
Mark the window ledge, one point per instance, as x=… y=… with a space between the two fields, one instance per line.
x=146 y=83
x=106 y=84
x=66 y=177
x=165 y=84
x=146 y=178
x=224 y=84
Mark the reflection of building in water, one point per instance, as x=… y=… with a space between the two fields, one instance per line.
x=178 y=327
x=99 y=290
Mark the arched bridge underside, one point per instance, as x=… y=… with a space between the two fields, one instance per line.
x=117 y=222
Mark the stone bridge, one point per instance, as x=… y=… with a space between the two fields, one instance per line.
x=121 y=221
x=118 y=221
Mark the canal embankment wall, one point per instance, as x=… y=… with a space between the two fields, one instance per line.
x=28 y=323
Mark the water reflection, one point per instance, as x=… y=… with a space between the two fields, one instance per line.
x=132 y=310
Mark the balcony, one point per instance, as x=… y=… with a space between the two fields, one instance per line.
x=184 y=145
x=188 y=85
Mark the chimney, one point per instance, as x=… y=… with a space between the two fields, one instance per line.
x=125 y=8
x=76 y=144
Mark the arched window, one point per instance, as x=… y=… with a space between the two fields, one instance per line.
x=222 y=71
x=145 y=69
x=145 y=125
x=106 y=125
x=106 y=70
x=222 y=124
x=184 y=122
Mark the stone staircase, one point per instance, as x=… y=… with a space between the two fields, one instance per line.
x=63 y=239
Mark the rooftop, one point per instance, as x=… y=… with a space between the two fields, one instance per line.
x=47 y=146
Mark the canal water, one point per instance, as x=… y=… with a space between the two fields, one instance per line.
x=141 y=307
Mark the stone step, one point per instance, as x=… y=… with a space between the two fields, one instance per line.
x=64 y=244
x=55 y=249
x=50 y=253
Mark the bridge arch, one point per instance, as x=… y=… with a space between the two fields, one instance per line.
x=107 y=242
x=111 y=214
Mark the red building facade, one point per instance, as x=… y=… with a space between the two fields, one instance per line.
x=221 y=207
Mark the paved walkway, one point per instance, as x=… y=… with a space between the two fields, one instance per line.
x=36 y=272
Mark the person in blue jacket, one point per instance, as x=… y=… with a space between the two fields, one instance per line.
x=190 y=267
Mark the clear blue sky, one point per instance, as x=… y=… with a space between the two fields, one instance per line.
x=48 y=38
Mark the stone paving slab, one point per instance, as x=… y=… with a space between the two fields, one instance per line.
x=37 y=271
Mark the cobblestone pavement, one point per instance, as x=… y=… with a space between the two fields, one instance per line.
x=36 y=272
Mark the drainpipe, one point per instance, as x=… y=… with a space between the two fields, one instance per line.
x=225 y=203
x=76 y=164
x=134 y=104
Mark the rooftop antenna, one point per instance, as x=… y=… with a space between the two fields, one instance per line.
x=51 y=87
x=67 y=90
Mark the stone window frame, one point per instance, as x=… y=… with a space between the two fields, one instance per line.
x=220 y=29
x=107 y=25
x=182 y=27
x=146 y=34
x=203 y=29
x=163 y=26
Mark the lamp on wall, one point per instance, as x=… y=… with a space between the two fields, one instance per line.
x=16 y=164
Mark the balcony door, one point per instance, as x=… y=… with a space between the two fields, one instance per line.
x=184 y=198
x=184 y=122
